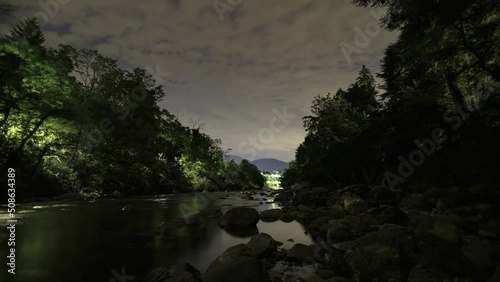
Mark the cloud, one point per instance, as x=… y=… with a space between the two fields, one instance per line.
x=230 y=74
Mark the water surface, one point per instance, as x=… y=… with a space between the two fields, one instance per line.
x=86 y=241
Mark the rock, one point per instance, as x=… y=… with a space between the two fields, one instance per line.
x=481 y=256
x=355 y=205
x=270 y=215
x=262 y=245
x=335 y=212
x=372 y=219
x=338 y=231
x=286 y=217
x=236 y=264
x=321 y=220
x=242 y=231
x=291 y=240
x=325 y=274
x=383 y=254
x=425 y=273
x=283 y=197
x=238 y=217
x=447 y=231
x=299 y=252
x=315 y=197
x=358 y=190
x=496 y=275
x=177 y=273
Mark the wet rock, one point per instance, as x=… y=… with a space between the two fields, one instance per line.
x=299 y=252
x=239 y=217
x=177 y=273
x=242 y=231
x=262 y=245
x=287 y=217
x=270 y=215
x=236 y=264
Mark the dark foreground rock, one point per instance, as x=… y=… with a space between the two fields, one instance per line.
x=270 y=215
x=237 y=263
x=239 y=217
x=262 y=245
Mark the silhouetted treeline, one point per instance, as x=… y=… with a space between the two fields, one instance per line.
x=437 y=122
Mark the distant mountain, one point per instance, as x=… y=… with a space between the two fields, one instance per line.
x=268 y=164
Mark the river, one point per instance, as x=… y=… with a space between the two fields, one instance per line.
x=91 y=241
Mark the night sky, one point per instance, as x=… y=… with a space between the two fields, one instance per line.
x=228 y=69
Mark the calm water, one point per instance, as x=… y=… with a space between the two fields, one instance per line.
x=86 y=241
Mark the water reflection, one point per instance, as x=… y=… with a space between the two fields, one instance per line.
x=89 y=239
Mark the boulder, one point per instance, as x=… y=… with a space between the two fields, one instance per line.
x=270 y=215
x=358 y=190
x=355 y=205
x=299 y=252
x=239 y=217
x=177 y=273
x=262 y=245
x=335 y=212
x=384 y=254
x=338 y=231
x=236 y=264
x=314 y=197
x=447 y=231
x=426 y=273
x=287 y=217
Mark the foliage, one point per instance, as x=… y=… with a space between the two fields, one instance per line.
x=441 y=73
x=74 y=121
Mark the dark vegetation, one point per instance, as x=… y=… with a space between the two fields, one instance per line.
x=442 y=73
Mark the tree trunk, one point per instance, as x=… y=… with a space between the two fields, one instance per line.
x=33 y=131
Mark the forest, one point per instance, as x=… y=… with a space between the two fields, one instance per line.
x=73 y=121
x=433 y=124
